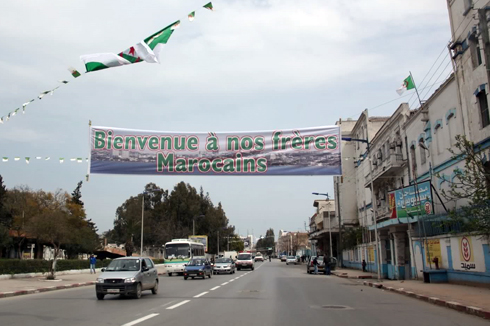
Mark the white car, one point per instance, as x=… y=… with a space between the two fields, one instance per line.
x=291 y=260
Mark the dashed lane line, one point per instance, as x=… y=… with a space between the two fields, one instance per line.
x=177 y=305
x=216 y=287
x=134 y=322
x=201 y=294
x=224 y=283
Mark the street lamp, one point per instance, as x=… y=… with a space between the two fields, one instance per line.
x=329 y=223
x=194 y=222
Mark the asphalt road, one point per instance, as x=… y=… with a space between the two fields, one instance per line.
x=273 y=294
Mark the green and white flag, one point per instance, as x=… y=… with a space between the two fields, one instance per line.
x=40 y=96
x=26 y=104
x=16 y=158
x=79 y=160
x=147 y=50
x=62 y=159
x=5 y=159
x=1 y=120
x=38 y=157
x=28 y=159
x=191 y=16
x=209 y=6
x=74 y=72
x=47 y=158
x=407 y=84
x=73 y=159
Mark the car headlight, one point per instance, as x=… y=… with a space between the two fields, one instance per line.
x=100 y=280
x=130 y=280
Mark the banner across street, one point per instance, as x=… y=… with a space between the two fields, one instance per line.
x=309 y=151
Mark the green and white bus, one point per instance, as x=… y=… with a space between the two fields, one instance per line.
x=178 y=252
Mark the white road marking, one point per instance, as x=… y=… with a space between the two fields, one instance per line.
x=230 y=281
x=224 y=283
x=163 y=305
x=216 y=287
x=134 y=322
x=178 y=304
x=200 y=295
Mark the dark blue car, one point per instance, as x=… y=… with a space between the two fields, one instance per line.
x=198 y=267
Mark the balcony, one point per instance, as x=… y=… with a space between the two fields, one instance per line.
x=391 y=166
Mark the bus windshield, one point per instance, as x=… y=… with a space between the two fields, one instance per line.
x=176 y=250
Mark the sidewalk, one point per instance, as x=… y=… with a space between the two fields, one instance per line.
x=22 y=286
x=469 y=299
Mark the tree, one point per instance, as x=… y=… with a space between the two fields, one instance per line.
x=472 y=186
x=236 y=244
x=51 y=225
x=351 y=237
x=5 y=219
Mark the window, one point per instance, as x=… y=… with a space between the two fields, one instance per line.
x=475 y=51
x=483 y=104
x=414 y=161
x=468 y=4
x=423 y=158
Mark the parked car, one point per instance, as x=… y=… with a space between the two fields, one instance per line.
x=198 y=267
x=291 y=260
x=224 y=265
x=127 y=276
x=310 y=268
x=259 y=257
x=283 y=258
x=244 y=261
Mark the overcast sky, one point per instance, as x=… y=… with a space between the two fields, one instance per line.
x=250 y=65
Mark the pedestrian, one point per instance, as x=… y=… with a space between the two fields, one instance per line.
x=364 y=265
x=92 y=263
x=315 y=264
x=326 y=263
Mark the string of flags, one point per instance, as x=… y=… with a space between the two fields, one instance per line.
x=147 y=50
x=27 y=159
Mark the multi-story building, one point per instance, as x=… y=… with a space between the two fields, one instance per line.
x=324 y=227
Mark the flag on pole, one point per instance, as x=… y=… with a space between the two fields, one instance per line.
x=147 y=50
x=209 y=6
x=62 y=160
x=407 y=84
x=74 y=72
x=27 y=160
x=191 y=16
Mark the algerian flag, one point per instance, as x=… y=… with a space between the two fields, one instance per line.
x=209 y=6
x=147 y=50
x=26 y=104
x=407 y=84
x=79 y=160
x=1 y=120
x=191 y=16
x=38 y=157
x=40 y=96
x=47 y=158
x=5 y=159
x=14 y=113
x=16 y=110
x=74 y=72
x=73 y=159
x=62 y=160
x=16 y=158
x=27 y=160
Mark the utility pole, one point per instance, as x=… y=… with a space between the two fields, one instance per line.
x=142 y=219
x=373 y=199
x=217 y=250
x=339 y=247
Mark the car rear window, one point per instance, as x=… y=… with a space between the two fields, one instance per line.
x=244 y=257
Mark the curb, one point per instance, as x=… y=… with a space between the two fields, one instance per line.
x=440 y=302
x=345 y=275
x=46 y=289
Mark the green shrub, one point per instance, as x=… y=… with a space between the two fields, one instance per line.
x=17 y=266
x=158 y=261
